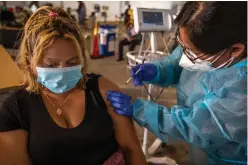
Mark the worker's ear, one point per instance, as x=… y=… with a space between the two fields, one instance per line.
x=237 y=50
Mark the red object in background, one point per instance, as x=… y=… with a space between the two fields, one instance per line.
x=96 y=53
x=11 y=9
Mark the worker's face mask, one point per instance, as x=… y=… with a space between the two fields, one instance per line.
x=59 y=80
x=203 y=65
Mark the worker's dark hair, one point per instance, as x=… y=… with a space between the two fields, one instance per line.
x=214 y=26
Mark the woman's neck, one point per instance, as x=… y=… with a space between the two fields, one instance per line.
x=56 y=95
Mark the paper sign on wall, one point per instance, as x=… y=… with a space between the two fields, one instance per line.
x=111 y=46
x=103 y=39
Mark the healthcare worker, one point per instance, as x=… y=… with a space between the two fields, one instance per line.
x=209 y=70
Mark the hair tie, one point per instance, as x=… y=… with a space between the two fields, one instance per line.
x=53 y=14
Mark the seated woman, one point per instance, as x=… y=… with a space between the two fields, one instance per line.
x=131 y=38
x=61 y=117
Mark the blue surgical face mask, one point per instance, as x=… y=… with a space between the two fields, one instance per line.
x=59 y=80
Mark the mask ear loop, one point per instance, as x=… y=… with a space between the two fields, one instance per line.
x=228 y=62
x=221 y=53
x=231 y=60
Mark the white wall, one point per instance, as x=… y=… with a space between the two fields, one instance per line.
x=152 y=4
x=16 y=3
x=115 y=7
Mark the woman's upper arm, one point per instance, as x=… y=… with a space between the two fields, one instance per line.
x=123 y=126
x=9 y=114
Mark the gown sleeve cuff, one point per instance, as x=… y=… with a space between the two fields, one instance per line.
x=145 y=113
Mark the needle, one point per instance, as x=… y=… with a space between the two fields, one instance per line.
x=131 y=77
x=144 y=85
x=149 y=94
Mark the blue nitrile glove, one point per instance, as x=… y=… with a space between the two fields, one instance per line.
x=121 y=103
x=147 y=73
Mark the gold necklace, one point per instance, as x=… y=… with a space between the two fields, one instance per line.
x=59 y=111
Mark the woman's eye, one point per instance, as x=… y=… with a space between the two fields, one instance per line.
x=49 y=65
x=73 y=63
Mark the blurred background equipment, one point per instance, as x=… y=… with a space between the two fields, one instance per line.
x=151 y=20
x=107 y=40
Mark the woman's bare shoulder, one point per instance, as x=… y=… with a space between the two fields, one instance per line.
x=105 y=85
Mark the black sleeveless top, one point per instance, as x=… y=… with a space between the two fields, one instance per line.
x=90 y=143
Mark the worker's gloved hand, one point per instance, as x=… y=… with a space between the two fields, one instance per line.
x=121 y=103
x=147 y=73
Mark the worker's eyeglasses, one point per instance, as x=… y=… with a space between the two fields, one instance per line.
x=191 y=56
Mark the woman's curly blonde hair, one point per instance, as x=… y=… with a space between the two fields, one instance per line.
x=39 y=32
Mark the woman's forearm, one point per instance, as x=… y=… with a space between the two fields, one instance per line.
x=13 y=148
x=7 y=158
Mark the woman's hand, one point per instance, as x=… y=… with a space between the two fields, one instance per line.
x=143 y=72
x=121 y=103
